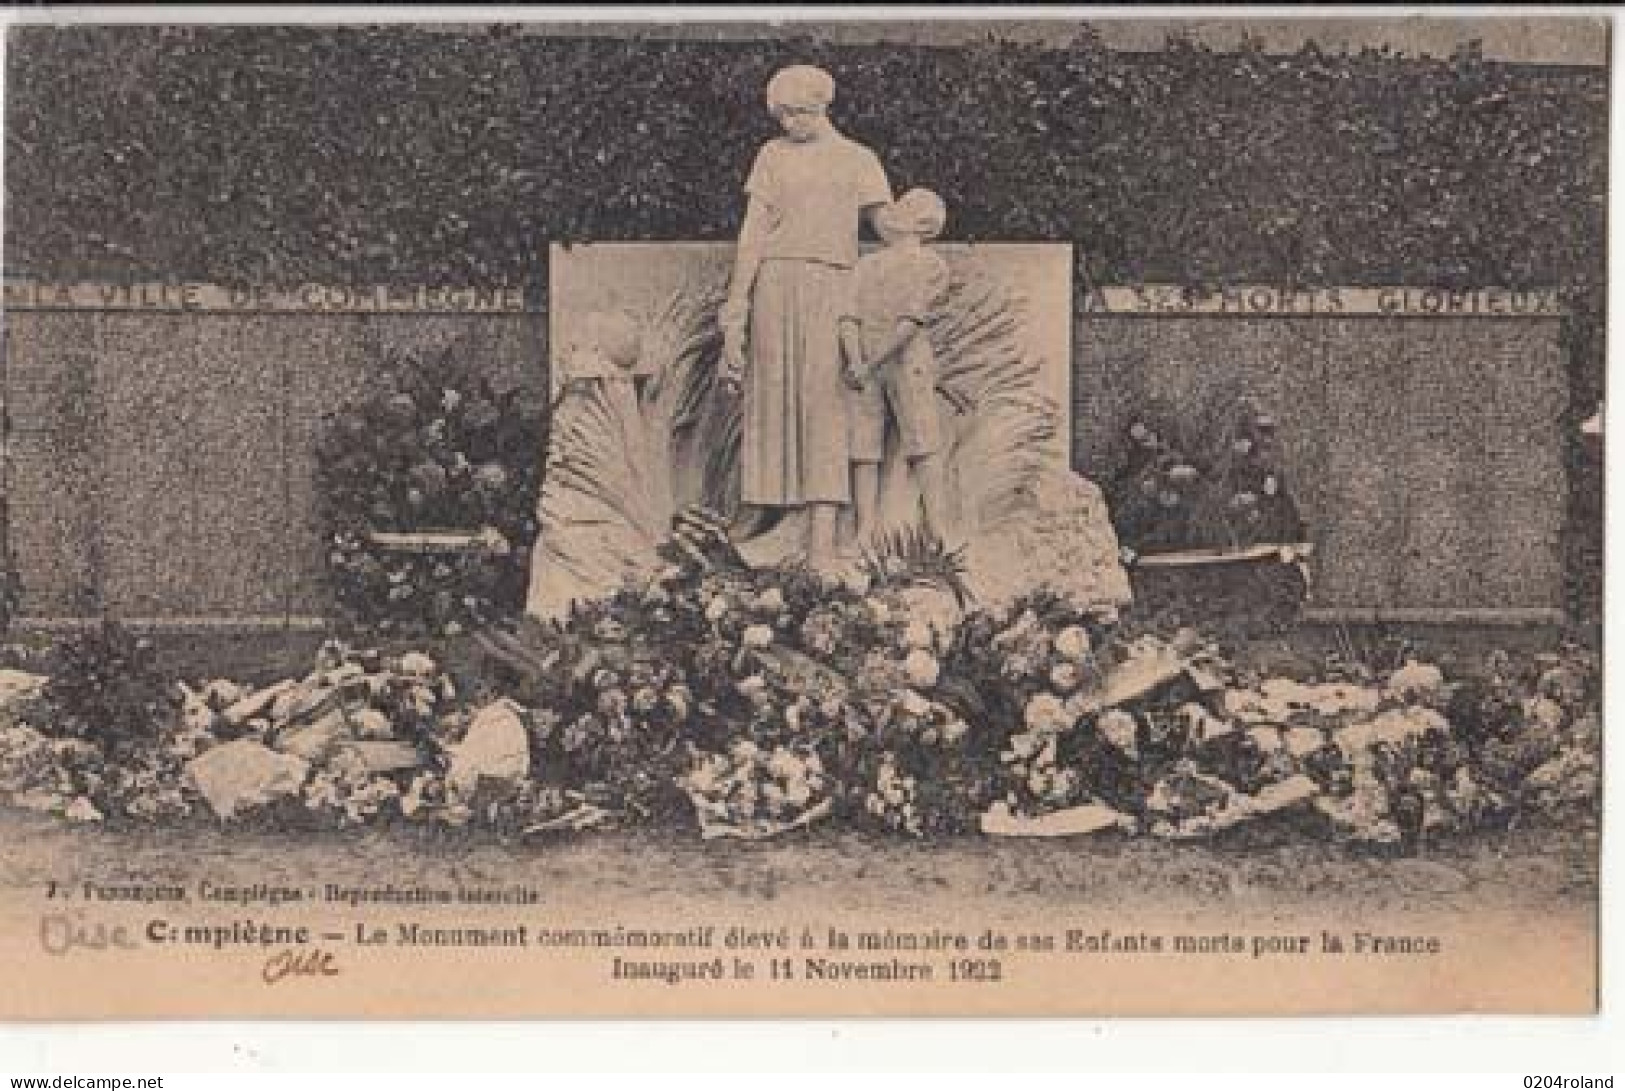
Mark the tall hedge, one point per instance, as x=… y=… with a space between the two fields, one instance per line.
x=289 y=153
x=285 y=154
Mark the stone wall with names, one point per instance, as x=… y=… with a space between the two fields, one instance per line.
x=1422 y=430
x=161 y=454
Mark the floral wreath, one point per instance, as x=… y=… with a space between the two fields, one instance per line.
x=427 y=491
x=1205 y=480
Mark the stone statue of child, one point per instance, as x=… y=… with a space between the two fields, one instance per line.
x=888 y=362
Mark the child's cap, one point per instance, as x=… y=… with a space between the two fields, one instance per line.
x=800 y=85
x=917 y=212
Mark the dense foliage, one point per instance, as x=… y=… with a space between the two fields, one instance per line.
x=107 y=687
x=286 y=153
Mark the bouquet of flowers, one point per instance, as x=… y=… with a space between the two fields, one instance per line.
x=1031 y=679
x=923 y=772
x=1177 y=488
x=439 y=447
x=751 y=792
x=348 y=794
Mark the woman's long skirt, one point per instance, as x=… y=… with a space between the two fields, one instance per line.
x=794 y=441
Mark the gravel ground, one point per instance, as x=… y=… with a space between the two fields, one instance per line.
x=1529 y=870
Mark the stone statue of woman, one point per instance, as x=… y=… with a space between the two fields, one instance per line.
x=808 y=193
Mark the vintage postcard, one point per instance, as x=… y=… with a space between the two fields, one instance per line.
x=1076 y=516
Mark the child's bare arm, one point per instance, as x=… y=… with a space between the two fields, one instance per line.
x=903 y=334
x=854 y=370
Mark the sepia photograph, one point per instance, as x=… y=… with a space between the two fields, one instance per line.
x=1067 y=516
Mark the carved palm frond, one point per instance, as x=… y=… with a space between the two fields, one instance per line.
x=703 y=429
x=977 y=335
x=982 y=358
x=601 y=464
x=614 y=455
x=628 y=462
x=1001 y=454
x=916 y=556
x=719 y=435
x=681 y=344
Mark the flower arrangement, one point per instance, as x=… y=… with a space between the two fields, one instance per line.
x=439 y=446
x=748 y=703
x=916 y=556
x=348 y=794
x=106 y=688
x=751 y=791
x=1221 y=486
